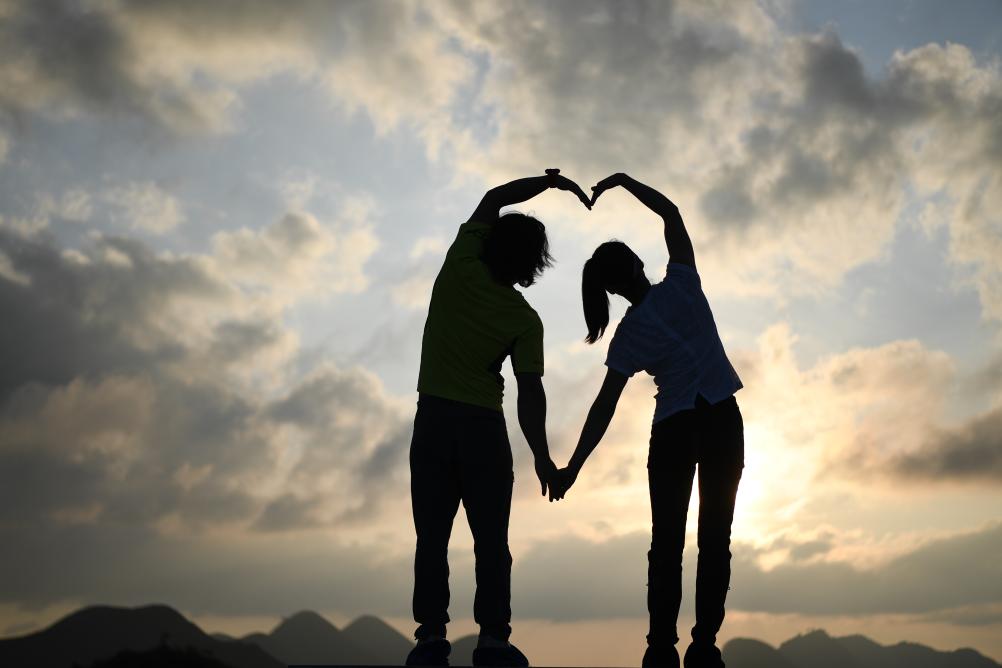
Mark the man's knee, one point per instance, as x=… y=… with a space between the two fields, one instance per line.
x=493 y=550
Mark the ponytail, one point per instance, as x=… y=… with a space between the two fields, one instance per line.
x=595 y=300
x=612 y=264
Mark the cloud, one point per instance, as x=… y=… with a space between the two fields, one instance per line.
x=792 y=164
x=972 y=451
x=74 y=205
x=66 y=58
x=211 y=573
x=569 y=578
x=181 y=66
x=297 y=254
x=864 y=401
x=147 y=207
x=941 y=574
x=142 y=388
x=354 y=440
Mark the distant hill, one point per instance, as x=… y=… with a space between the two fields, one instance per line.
x=817 y=649
x=384 y=643
x=157 y=635
x=100 y=632
x=748 y=653
x=161 y=657
x=307 y=638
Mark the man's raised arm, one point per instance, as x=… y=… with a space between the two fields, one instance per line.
x=521 y=190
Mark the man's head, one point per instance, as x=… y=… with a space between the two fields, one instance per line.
x=517 y=250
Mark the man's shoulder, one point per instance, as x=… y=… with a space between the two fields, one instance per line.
x=477 y=227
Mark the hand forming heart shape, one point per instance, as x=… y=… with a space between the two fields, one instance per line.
x=564 y=183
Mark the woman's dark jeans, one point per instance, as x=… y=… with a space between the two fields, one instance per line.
x=710 y=437
x=460 y=452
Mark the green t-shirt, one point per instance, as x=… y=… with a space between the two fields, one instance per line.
x=473 y=323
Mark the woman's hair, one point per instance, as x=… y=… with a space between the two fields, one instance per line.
x=611 y=265
x=517 y=250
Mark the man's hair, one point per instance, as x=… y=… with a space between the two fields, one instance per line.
x=517 y=250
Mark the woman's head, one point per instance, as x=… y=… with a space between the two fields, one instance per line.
x=517 y=250
x=612 y=268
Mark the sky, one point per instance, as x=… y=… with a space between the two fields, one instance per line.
x=219 y=227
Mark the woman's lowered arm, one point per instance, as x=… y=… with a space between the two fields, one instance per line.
x=595 y=426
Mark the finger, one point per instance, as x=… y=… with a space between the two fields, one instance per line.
x=607 y=182
x=581 y=196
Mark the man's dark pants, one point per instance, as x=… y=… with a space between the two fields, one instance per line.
x=712 y=437
x=460 y=453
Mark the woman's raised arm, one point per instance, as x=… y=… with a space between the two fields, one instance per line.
x=676 y=237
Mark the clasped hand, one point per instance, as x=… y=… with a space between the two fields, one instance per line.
x=556 y=481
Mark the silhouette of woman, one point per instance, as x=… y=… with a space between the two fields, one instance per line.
x=669 y=332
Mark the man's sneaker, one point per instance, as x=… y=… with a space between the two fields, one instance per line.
x=700 y=655
x=431 y=652
x=660 y=658
x=506 y=655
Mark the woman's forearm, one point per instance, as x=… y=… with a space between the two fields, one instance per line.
x=676 y=236
x=595 y=426
x=651 y=198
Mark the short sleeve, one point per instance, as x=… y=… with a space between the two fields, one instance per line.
x=680 y=273
x=622 y=354
x=469 y=243
x=527 y=351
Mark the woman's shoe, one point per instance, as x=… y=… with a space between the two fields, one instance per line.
x=430 y=652
x=660 y=658
x=703 y=656
x=507 y=655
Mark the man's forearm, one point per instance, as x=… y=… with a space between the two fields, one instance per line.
x=532 y=420
x=518 y=190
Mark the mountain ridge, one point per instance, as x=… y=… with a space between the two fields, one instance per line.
x=102 y=634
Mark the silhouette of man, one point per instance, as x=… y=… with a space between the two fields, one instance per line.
x=460 y=450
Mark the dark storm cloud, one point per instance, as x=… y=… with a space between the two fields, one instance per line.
x=236 y=340
x=132 y=565
x=179 y=66
x=571 y=579
x=114 y=408
x=77 y=319
x=943 y=574
x=63 y=56
x=563 y=579
x=288 y=511
x=972 y=452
